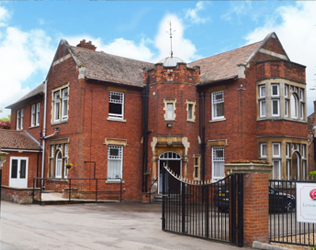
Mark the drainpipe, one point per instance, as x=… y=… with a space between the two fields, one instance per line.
x=203 y=144
x=145 y=134
x=44 y=133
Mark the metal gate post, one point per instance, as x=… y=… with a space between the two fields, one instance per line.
x=232 y=209
x=240 y=210
x=183 y=208
x=207 y=203
x=163 y=197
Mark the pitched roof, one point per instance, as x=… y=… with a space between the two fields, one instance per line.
x=12 y=139
x=38 y=90
x=105 y=67
x=224 y=66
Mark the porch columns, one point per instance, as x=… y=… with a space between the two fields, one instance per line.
x=256 y=199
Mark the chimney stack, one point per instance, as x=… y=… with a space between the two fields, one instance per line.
x=86 y=45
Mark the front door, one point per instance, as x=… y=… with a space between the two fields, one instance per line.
x=172 y=161
x=18 y=172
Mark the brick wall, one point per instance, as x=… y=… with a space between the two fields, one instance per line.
x=33 y=164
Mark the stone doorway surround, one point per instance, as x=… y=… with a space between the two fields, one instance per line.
x=161 y=144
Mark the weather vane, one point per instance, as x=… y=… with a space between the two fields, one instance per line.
x=170 y=32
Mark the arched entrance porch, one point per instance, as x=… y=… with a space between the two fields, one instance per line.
x=171 y=160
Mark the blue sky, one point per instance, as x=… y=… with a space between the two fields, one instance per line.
x=31 y=30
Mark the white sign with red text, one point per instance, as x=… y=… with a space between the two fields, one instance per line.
x=306 y=202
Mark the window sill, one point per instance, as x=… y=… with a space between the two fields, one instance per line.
x=218 y=120
x=114 y=182
x=171 y=120
x=37 y=126
x=115 y=120
x=280 y=119
x=58 y=180
x=61 y=122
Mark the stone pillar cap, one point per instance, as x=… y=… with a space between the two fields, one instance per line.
x=249 y=167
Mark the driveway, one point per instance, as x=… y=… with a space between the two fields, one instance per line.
x=127 y=225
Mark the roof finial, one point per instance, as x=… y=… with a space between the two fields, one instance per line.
x=171 y=52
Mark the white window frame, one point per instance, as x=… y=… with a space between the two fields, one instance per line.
x=302 y=111
x=170 y=111
x=279 y=149
x=57 y=106
x=303 y=151
x=262 y=145
x=38 y=107
x=288 y=169
x=60 y=104
x=278 y=106
x=64 y=104
x=302 y=95
x=119 y=101
x=21 y=119
x=278 y=90
x=192 y=104
x=263 y=108
x=286 y=108
x=279 y=169
x=287 y=150
x=33 y=113
x=215 y=102
x=115 y=158
x=286 y=91
x=61 y=165
x=262 y=91
x=294 y=106
x=18 y=117
x=218 y=160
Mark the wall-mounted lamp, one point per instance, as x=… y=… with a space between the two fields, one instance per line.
x=169 y=125
x=20 y=152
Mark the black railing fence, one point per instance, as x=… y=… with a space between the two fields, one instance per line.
x=283 y=226
x=208 y=211
x=77 y=189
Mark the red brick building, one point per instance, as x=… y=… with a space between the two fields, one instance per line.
x=132 y=117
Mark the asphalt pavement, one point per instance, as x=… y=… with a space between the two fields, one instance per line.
x=126 y=225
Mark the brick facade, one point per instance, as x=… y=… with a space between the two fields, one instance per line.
x=89 y=131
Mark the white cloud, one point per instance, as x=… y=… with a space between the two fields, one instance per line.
x=119 y=47
x=193 y=14
x=22 y=54
x=297 y=33
x=182 y=48
x=237 y=8
x=4 y=16
x=143 y=50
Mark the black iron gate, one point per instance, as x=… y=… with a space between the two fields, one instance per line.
x=284 y=227
x=211 y=211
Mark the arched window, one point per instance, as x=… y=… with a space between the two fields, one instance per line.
x=294 y=106
x=58 y=158
x=59 y=166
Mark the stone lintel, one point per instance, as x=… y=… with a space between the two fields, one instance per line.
x=248 y=168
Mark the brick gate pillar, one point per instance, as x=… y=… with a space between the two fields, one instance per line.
x=256 y=198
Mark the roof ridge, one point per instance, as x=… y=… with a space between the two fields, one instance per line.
x=102 y=52
x=228 y=51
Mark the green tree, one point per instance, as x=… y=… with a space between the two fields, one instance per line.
x=5 y=119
